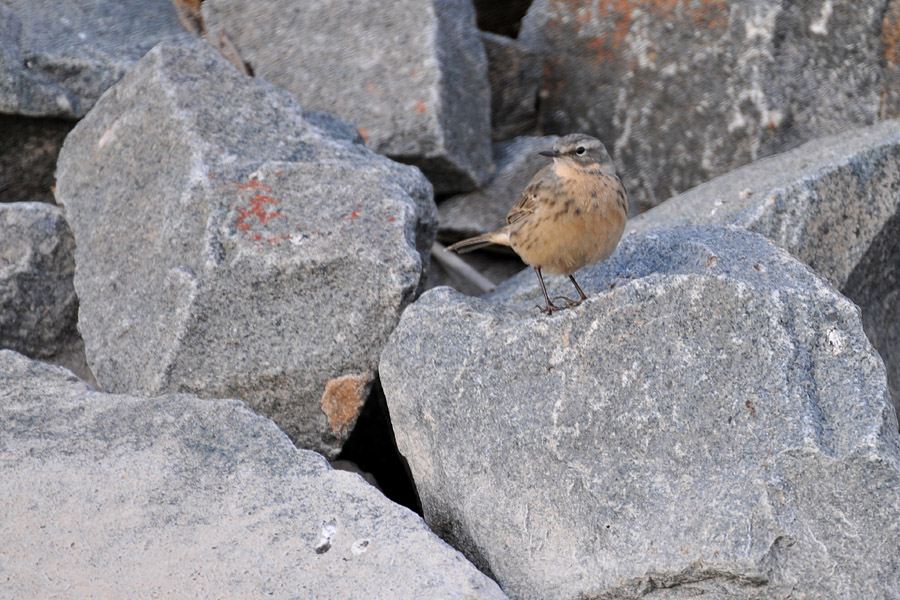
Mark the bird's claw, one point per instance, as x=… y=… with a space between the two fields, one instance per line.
x=569 y=302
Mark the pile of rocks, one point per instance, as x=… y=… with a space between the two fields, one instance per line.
x=237 y=273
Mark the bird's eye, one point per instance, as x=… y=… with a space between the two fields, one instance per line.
x=580 y=150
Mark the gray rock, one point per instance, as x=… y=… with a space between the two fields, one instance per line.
x=514 y=73
x=711 y=421
x=411 y=75
x=56 y=58
x=684 y=91
x=833 y=203
x=484 y=210
x=176 y=496
x=38 y=306
x=28 y=151
x=890 y=74
x=333 y=126
x=228 y=249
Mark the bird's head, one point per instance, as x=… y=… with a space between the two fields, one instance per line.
x=582 y=151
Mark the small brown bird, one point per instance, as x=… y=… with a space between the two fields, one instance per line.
x=571 y=214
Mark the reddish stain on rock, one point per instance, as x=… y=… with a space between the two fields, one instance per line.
x=253 y=184
x=890 y=36
x=256 y=213
x=257 y=209
x=342 y=400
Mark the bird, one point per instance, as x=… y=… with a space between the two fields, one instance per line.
x=571 y=214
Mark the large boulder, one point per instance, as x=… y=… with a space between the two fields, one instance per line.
x=56 y=58
x=174 y=496
x=712 y=421
x=228 y=248
x=684 y=91
x=832 y=203
x=411 y=75
x=38 y=306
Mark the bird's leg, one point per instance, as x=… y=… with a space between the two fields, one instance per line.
x=572 y=303
x=550 y=306
x=569 y=302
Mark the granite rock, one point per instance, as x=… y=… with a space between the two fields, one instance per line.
x=38 y=306
x=57 y=58
x=831 y=202
x=412 y=74
x=514 y=73
x=685 y=91
x=332 y=126
x=227 y=248
x=176 y=496
x=711 y=422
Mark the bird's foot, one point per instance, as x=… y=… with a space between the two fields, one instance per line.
x=569 y=302
x=550 y=308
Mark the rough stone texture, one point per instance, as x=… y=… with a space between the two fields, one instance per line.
x=890 y=52
x=117 y=496
x=28 y=151
x=411 y=75
x=514 y=73
x=833 y=203
x=56 y=58
x=711 y=421
x=484 y=210
x=333 y=126
x=38 y=306
x=228 y=249
x=684 y=91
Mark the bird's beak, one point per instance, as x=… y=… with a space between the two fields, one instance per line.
x=551 y=153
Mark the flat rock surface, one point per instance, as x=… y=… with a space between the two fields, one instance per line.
x=123 y=496
x=228 y=248
x=412 y=75
x=833 y=203
x=711 y=421
x=57 y=58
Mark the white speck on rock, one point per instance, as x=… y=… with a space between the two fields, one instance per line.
x=820 y=25
x=360 y=546
x=836 y=340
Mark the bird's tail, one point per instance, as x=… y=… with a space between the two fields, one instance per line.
x=501 y=237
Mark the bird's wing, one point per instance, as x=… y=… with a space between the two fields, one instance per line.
x=527 y=202
x=622 y=195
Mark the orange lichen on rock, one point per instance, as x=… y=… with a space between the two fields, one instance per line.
x=890 y=35
x=342 y=400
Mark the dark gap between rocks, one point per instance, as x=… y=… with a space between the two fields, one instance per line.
x=373 y=449
x=503 y=17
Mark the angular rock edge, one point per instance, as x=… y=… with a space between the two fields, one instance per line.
x=178 y=496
